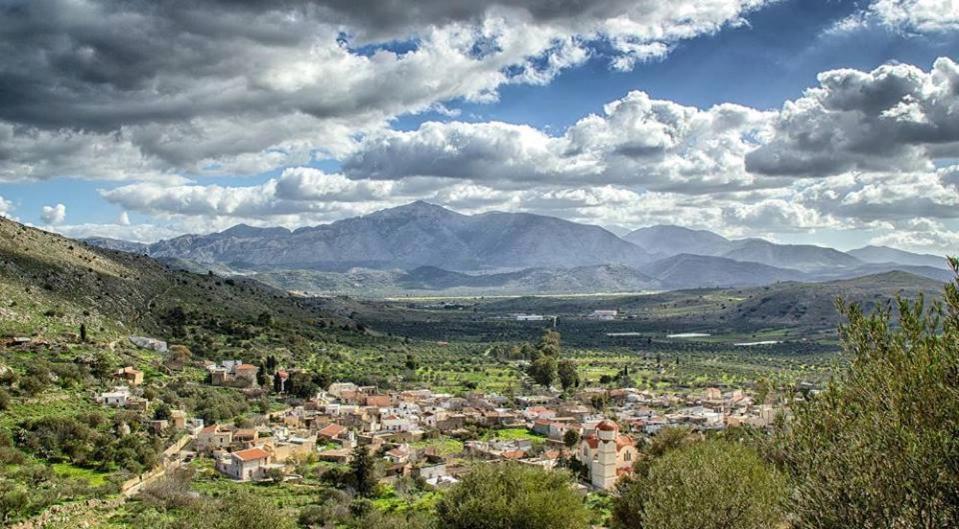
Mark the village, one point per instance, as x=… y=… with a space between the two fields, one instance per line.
x=433 y=437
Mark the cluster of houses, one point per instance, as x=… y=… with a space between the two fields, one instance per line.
x=405 y=428
x=400 y=427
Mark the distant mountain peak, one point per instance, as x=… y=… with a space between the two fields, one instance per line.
x=668 y=239
x=245 y=230
x=416 y=208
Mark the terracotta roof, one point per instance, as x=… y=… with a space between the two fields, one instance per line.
x=378 y=400
x=513 y=454
x=607 y=425
x=210 y=429
x=332 y=430
x=245 y=367
x=622 y=441
x=251 y=454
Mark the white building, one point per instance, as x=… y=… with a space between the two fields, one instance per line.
x=244 y=465
x=118 y=397
x=604 y=315
x=608 y=454
x=529 y=317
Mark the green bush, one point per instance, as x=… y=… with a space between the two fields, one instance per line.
x=512 y=496
x=705 y=485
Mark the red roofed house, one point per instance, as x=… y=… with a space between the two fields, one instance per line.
x=245 y=464
x=331 y=432
x=608 y=454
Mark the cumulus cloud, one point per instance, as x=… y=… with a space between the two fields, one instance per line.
x=6 y=207
x=896 y=117
x=921 y=235
x=921 y=16
x=637 y=140
x=778 y=215
x=53 y=214
x=909 y=17
x=297 y=191
x=245 y=87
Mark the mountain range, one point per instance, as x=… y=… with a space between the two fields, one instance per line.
x=425 y=248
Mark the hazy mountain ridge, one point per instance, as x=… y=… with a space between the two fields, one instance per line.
x=668 y=240
x=700 y=271
x=418 y=234
x=885 y=254
x=428 y=280
x=422 y=247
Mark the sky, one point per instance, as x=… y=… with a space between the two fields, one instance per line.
x=827 y=122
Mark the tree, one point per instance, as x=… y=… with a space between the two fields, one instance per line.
x=180 y=354
x=543 y=370
x=363 y=471
x=162 y=412
x=570 y=438
x=265 y=319
x=300 y=384
x=509 y=496
x=568 y=375
x=712 y=484
x=103 y=365
x=549 y=343
x=878 y=447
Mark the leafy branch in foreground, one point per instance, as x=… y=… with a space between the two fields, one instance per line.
x=879 y=447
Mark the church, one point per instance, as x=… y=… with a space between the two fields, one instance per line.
x=608 y=454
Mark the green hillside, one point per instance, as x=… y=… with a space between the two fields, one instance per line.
x=50 y=285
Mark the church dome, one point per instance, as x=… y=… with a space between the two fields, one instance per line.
x=607 y=426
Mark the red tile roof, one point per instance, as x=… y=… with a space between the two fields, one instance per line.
x=380 y=401
x=331 y=430
x=251 y=454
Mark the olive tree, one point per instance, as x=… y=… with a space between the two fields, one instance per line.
x=512 y=496
x=711 y=484
x=879 y=446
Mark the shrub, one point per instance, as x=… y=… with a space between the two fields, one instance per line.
x=708 y=485
x=509 y=496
